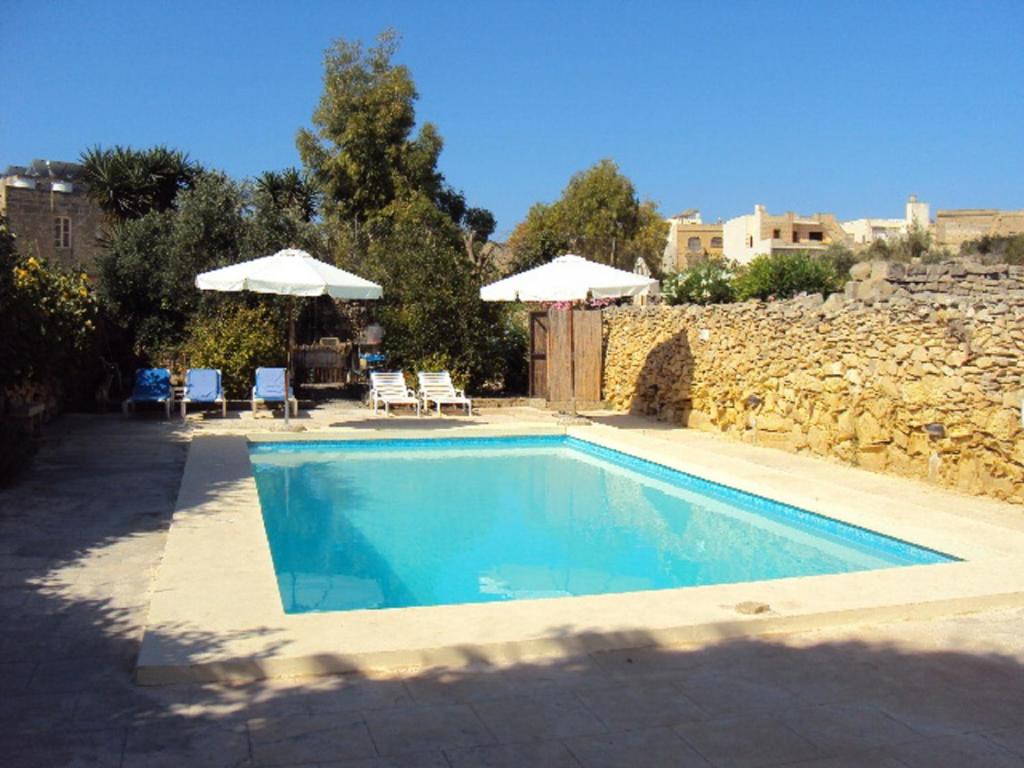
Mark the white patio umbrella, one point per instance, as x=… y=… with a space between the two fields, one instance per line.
x=290 y=272
x=569 y=278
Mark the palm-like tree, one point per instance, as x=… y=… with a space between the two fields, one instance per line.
x=289 y=189
x=128 y=183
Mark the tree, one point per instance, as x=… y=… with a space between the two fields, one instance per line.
x=390 y=215
x=147 y=274
x=281 y=207
x=127 y=183
x=599 y=217
x=48 y=317
x=288 y=190
x=361 y=152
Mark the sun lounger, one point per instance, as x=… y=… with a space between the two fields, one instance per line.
x=438 y=388
x=389 y=389
x=270 y=389
x=203 y=385
x=152 y=385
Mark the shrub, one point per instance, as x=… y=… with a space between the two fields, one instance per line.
x=996 y=249
x=842 y=259
x=47 y=316
x=237 y=340
x=707 y=282
x=784 y=275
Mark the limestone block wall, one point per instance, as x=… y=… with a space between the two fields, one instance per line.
x=915 y=370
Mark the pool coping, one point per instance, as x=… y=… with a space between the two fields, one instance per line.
x=216 y=612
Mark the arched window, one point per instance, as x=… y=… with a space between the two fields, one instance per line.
x=693 y=245
x=716 y=242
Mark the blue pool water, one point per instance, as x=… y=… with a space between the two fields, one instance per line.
x=398 y=523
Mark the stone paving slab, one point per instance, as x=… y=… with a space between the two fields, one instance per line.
x=944 y=692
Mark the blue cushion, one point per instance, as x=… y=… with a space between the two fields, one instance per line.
x=202 y=385
x=270 y=384
x=152 y=384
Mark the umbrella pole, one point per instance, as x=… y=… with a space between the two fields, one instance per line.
x=288 y=365
x=572 y=362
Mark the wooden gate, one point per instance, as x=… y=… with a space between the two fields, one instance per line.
x=539 y=354
x=550 y=361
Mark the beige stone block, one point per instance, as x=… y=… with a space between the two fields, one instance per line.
x=870 y=430
x=874 y=458
x=817 y=440
x=846 y=426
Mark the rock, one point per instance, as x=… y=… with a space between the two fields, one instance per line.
x=861 y=270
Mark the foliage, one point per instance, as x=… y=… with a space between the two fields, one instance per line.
x=842 y=259
x=48 y=316
x=288 y=190
x=389 y=215
x=539 y=238
x=996 y=249
x=598 y=217
x=147 y=274
x=431 y=310
x=784 y=274
x=237 y=339
x=706 y=282
x=280 y=211
x=915 y=245
x=361 y=152
x=128 y=183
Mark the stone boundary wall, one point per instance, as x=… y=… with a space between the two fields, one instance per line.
x=916 y=370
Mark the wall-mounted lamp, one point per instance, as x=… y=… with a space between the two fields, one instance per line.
x=935 y=430
x=753 y=401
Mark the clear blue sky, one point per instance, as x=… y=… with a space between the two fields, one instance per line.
x=809 y=106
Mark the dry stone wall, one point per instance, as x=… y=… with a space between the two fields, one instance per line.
x=916 y=370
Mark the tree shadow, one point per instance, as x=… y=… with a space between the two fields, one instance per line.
x=80 y=538
x=662 y=386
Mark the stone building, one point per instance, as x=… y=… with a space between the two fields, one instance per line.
x=48 y=211
x=863 y=232
x=763 y=233
x=955 y=227
x=690 y=240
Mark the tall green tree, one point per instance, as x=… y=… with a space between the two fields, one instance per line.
x=598 y=216
x=361 y=150
x=390 y=215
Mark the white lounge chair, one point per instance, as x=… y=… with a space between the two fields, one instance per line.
x=438 y=388
x=389 y=389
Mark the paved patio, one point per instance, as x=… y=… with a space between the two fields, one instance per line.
x=81 y=536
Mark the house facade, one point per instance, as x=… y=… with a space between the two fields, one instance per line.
x=953 y=228
x=761 y=232
x=49 y=213
x=863 y=232
x=690 y=240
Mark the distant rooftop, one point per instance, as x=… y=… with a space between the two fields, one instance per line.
x=46 y=169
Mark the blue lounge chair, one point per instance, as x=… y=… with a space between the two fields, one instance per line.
x=202 y=385
x=270 y=389
x=152 y=385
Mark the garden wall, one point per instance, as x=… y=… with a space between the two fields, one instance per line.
x=915 y=369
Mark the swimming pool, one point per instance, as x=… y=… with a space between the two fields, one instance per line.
x=401 y=523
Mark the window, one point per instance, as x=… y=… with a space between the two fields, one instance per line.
x=796 y=236
x=750 y=241
x=776 y=233
x=716 y=242
x=693 y=245
x=817 y=236
x=62 y=232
